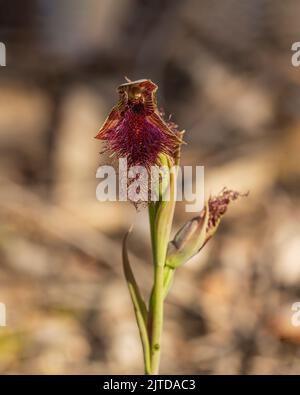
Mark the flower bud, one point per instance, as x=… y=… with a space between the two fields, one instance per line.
x=190 y=239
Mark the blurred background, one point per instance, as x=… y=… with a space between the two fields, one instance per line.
x=224 y=71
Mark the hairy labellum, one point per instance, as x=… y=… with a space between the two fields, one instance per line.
x=135 y=128
x=217 y=206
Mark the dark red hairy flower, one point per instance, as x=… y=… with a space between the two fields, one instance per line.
x=217 y=205
x=135 y=128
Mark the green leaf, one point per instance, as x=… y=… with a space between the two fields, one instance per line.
x=140 y=309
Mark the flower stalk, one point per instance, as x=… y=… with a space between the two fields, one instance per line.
x=161 y=225
x=136 y=130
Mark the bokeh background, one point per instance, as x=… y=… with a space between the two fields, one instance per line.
x=224 y=71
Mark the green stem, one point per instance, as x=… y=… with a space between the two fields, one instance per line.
x=152 y=212
x=168 y=279
x=156 y=298
x=157 y=318
x=161 y=218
